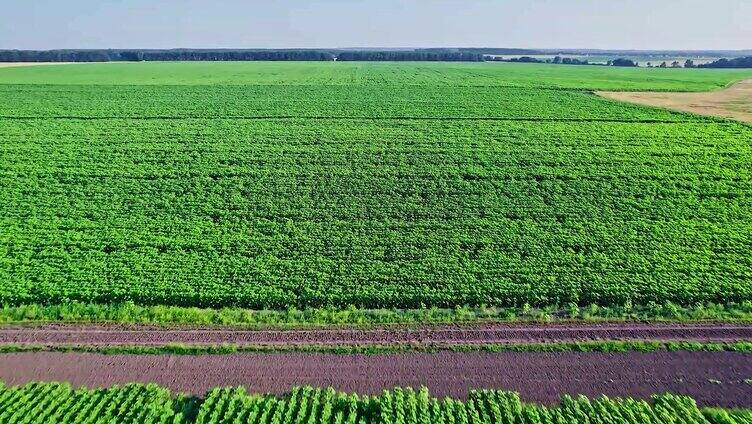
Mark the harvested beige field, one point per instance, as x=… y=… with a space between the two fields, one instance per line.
x=734 y=102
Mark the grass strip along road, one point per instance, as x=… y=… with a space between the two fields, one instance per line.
x=129 y=313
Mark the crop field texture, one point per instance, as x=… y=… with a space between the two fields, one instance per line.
x=391 y=74
x=133 y=403
x=272 y=185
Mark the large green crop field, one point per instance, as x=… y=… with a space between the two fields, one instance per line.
x=270 y=185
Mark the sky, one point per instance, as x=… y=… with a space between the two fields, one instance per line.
x=604 y=24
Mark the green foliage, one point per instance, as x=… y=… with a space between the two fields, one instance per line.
x=591 y=346
x=728 y=416
x=60 y=404
x=357 y=114
x=389 y=74
x=135 y=403
x=130 y=313
x=308 y=185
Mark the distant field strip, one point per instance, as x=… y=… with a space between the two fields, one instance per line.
x=380 y=74
x=378 y=194
x=315 y=102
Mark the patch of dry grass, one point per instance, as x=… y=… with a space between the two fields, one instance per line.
x=734 y=102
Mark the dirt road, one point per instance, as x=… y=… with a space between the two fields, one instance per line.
x=713 y=378
x=120 y=335
x=733 y=102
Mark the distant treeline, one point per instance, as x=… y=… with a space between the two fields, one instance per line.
x=221 y=55
x=418 y=55
x=739 y=62
x=528 y=59
x=558 y=60
x=167 y=55
x=487 y=51
x=240 y=55
x=436 y=54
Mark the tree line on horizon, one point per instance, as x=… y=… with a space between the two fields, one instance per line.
x=235 y=55
x=558 y=60
x=430 y=54
x=739 y=62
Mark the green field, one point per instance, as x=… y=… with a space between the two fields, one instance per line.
x=271 y=185
x=135 y=403
x=392 y=74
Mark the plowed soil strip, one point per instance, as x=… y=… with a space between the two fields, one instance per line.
x=713 y=378
x=118 y=335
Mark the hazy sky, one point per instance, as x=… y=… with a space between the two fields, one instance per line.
x=608 y=24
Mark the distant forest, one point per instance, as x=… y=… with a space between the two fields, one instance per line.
x=420 y=55
x=221 y=55
x=739 y=62
x=433 y=54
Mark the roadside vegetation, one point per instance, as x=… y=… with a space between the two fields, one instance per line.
x=130 y=313
x=606 y=346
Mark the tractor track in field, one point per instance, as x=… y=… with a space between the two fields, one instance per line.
x=447 y=335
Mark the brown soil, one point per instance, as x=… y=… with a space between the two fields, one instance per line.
x=713 y=378
x=733 y=102
x=115 y=335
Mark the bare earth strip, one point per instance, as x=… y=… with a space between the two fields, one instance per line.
x=122 y=335
x=713 y=378
x=733 y=102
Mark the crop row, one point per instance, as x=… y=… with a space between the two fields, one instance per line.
x=448 y=103
x=58 y=403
